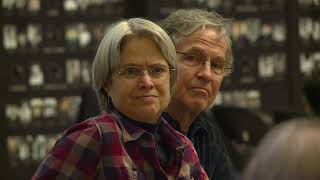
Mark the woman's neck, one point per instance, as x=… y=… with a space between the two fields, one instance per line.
x=150 y=127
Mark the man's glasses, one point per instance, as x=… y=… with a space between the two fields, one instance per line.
x=155 y=71
x=219 y=67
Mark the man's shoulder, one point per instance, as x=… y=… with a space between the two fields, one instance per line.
x=211 y=127
x=209 y=122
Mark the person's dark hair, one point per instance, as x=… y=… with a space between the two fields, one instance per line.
x=290 y=151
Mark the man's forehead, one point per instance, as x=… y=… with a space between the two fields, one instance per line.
x=208 y=32
x=208 y=36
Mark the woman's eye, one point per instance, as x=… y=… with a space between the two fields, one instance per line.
x=132 y=70
x=157 y=69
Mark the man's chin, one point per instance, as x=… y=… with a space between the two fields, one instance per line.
x=198 y=106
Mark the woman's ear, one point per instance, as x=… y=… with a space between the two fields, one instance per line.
x=106 y=85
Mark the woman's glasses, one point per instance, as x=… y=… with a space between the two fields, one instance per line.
x=155 y=71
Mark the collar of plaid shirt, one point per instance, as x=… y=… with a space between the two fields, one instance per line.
x=131 y=132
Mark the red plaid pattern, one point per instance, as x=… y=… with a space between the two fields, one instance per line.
x=104 y=148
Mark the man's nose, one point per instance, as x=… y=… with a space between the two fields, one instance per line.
x=205 y=71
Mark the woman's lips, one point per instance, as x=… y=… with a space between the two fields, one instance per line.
x=147 y=98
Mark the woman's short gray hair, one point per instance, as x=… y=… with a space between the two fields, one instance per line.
x=186 y=21
x=108 y=53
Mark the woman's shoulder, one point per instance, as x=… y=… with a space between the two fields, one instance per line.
x=77 y=143
x=91 y=126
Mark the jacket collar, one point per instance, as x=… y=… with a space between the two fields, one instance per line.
x=197 y=124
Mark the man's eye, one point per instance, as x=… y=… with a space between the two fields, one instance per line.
x=191 y=57
x=217 y=65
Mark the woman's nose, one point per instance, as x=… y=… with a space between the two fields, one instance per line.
x=146 y=81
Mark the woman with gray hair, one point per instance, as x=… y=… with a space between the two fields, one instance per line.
x=133 y=72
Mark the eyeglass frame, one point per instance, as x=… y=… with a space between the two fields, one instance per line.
x=142 y=70
x=227 y=69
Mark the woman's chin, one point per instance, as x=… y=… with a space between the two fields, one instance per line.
x=149 y=115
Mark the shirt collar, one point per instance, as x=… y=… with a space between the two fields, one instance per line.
x=132 y=132
x=174 y=123
x=171 y=136
x=197 y=124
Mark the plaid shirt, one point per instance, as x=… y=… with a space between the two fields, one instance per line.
x=105 y=148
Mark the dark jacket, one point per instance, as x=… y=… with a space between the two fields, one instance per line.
x=209 y=144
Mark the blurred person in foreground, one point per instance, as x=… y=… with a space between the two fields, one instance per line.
x=204 y=58
x=290 y=151
x=133 y=72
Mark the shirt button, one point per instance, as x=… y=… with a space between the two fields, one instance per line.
x=134 y=174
